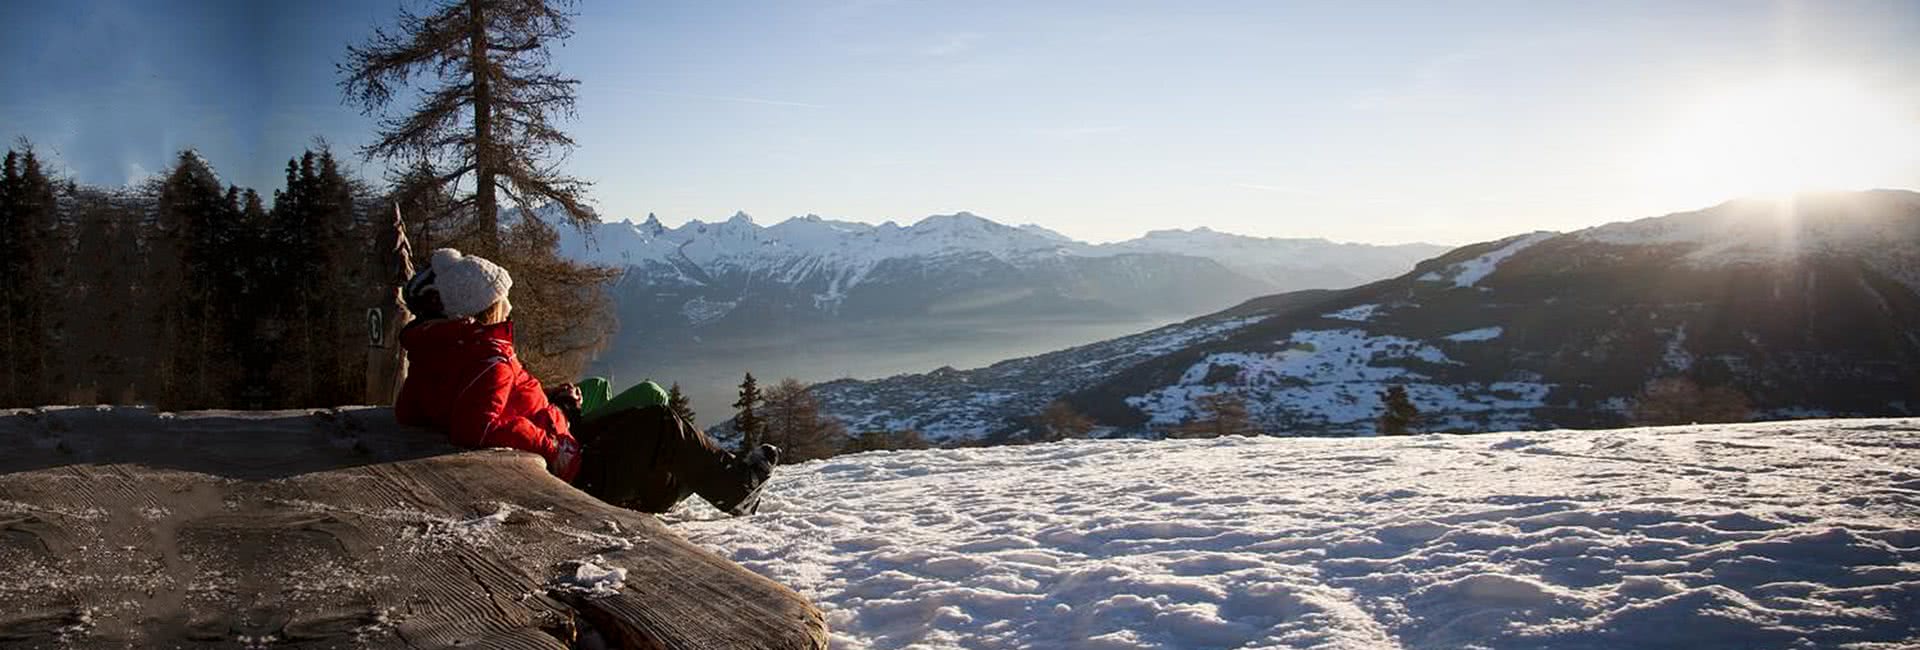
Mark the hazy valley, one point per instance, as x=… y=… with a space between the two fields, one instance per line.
x=818 y=299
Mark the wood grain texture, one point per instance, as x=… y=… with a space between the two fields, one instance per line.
x=120 y=527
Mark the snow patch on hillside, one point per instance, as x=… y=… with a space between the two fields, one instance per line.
x=954 y=405
x=702 y=310
x=1471 y=272
x=1676 y=356
x=1334 y=378
x=1357 y=313
x=1475 y=335
x=1313 y=371
x=1794 y=534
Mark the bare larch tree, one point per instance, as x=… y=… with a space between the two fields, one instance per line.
x=490 y=122
x=491 y=116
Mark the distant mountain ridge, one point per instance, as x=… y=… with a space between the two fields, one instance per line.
x=848 y=253
x=817 y=298
x=1806 y=307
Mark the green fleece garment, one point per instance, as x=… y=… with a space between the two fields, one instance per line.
x=594 y=400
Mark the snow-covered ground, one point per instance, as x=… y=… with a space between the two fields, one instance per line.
x=1779 y=535
x=1333 y=379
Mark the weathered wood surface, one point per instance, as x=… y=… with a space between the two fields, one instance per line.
x=336 y=528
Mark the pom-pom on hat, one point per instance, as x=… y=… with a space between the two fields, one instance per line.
x=468 y=283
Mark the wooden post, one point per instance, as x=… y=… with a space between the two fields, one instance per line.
x=386 y=361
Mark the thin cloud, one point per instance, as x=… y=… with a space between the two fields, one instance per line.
x=1271 y=188
x=1082 y=130
x=952 y=44
x=740 y=100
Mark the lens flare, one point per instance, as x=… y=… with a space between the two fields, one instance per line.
x=1786 y=135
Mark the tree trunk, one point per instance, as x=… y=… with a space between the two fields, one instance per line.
x=201 y=389
x=7 y=393
x=308 y=358
x=485 y=168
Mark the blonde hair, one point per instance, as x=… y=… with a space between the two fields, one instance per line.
x=494 y=313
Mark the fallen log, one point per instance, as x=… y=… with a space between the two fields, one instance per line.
x=125 y=527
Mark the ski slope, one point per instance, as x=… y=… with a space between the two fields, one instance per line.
x=1778 y=535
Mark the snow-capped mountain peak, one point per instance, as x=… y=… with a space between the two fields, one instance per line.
x=1272 y=260
x=958 y=222
x=1046 y=233
x=652 y=225
x=954 y=261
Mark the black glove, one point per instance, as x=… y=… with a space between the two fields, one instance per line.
x=422 y=298
x=567 y=398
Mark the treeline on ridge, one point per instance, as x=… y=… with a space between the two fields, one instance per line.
x=183 y=292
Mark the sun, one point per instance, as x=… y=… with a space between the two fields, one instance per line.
x=1785 y=135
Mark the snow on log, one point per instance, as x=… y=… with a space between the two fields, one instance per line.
x=127 y=527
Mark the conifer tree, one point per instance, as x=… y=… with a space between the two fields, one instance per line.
x=487 y=126
x=47 y=246
x=314 y=283
x=341 y=292
x=1220 y=414
x=11 y=283
x=15 y=342
x=99 y=302
x=201 y=222
x=1059 y=422
x=679 y=402
x=795 y=424
x=1398 y=415
x=1679 y=400
x=189 y=200
x=746 y=421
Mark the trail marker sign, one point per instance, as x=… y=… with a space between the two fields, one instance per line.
x=376 y=327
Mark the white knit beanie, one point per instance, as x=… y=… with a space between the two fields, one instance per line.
x=468 y=283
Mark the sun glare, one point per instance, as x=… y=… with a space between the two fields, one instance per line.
x=1785 y=135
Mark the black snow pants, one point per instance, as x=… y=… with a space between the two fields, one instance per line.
x=648 y=459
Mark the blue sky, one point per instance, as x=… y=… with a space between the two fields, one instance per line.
x=1368 y=121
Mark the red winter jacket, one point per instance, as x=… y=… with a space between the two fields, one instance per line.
x=463 y=378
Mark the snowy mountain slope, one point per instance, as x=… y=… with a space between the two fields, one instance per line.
x=950 y=406
x=1543 y=330
x=1761 y=231
x=1826 y=325
x=1780 y=535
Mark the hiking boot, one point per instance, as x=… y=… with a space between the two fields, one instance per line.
x=754 y=470
x=763 y=459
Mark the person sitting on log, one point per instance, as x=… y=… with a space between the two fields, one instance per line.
x=630 y=451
